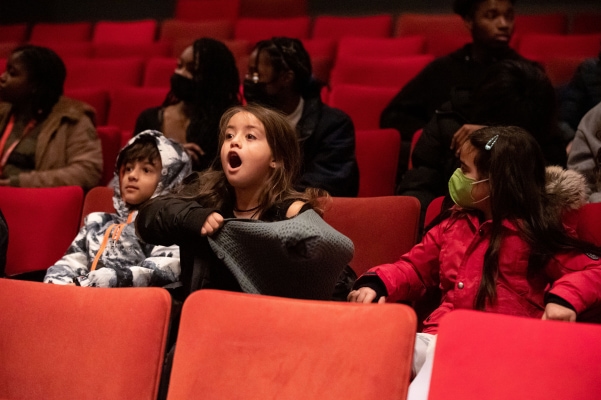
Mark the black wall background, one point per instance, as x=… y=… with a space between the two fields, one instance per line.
x=31 y=11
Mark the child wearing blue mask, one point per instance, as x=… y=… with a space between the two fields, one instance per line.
x=503 y=248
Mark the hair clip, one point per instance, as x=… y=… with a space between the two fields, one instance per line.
x=491 y=142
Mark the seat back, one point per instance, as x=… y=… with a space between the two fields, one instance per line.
x=336 y=27
x=176 y=29
x=141 y=31
x=42 y=223
x=64 y=32
x=97 y=97
x=255 y=29
x=128 y=103
x=392 y=72
x=98 y=199
x=110 y=140
x=491 y=356
x=274 y=8
x=542 y=47
x=363 y=103
x=381 y=228
x=206 y=10
x=586 y=22
x=158 y=71
x=67 y=342
x=104 y=73
x=377 y=152
x=237 y=345
x=381 y=47
x=16 y=33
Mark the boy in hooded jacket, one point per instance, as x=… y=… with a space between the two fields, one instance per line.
x=106 y=252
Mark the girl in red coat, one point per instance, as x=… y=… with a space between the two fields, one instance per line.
x=503 y=247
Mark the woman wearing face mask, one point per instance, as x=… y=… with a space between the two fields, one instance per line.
x=503 y=248
x=204 y=84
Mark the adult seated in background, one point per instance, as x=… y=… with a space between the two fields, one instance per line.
x=205 y=84
x=581 y=94
x=47 y=139
x=490 y=23
x=280 y=76
x=512 y=93
x=584 y=153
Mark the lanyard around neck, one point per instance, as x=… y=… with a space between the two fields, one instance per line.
x=7 y=131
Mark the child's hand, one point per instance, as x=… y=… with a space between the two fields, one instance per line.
x=559 y=313
x=212 y=224
x=364 y=295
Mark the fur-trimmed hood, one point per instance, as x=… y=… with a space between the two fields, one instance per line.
x=567 y=188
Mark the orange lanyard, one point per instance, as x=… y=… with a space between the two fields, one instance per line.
x=116 y=230
x=7 y=131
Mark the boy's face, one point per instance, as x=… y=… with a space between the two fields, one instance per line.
x=138 y=180
x=492 y=23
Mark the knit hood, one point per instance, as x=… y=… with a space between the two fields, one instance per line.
x=176 y=165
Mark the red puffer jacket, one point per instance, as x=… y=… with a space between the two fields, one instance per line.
x=451 y=256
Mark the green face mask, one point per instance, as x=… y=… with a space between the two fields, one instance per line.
x=460 y=189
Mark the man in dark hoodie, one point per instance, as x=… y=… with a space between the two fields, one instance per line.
x=490 y=23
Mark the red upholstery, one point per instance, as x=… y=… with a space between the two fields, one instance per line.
x=67 y=50
x=255 y=29
x=382 y=47
x=586 y=22
x=144 y=50
x=541 y=47
x=441 y=44
x=142 y=31
x=110 y=139
x=414 y=140
x=273 y=8
x=158 y=71
x=13 y=33
x=433 y=210
x=377 y=153
x=589 y=223
x=175 y=29
x=561 y=70
x=6 y=48
x=555 y=23
x=203 y=10
x=98 y=199
x=63 y=32
x=128 y=103
x=336 y=27
x=392 y=72
x=68 y=342
x=42 y=223
x=382 y=228
x=96 y=97
x=426 y=24
x=105 y=73
x=491 y=356
x=242 y=346
x=363 y=104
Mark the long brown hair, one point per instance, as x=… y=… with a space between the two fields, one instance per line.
x=214 y=190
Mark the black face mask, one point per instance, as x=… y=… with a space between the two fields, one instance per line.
x=183 y=88
x=257 y=93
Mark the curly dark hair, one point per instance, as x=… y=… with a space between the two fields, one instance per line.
x=47 y=72
x=289 y=54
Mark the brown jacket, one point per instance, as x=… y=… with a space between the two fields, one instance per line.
x=68 y=150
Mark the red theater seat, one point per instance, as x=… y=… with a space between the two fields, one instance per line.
x=204 y=10
x=128 y=32
x=336 y=27
x=105 y=73
x=64 y=32
x=377 y=152
x=364 y=104
x=382 y=47
x=255 y=29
